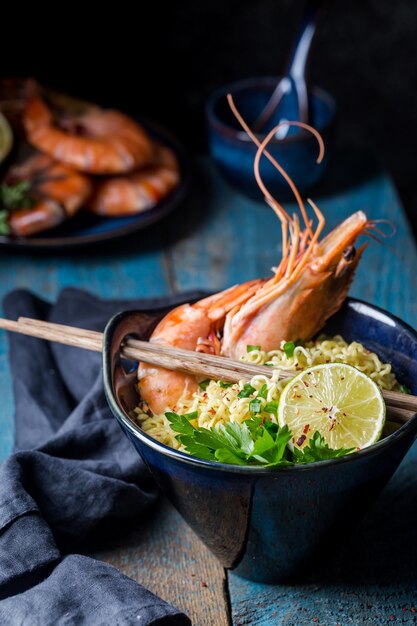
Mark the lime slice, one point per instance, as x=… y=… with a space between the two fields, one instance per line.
x=6 y=138
x=338 y=400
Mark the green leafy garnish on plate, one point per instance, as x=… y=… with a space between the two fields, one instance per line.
x=13 y=197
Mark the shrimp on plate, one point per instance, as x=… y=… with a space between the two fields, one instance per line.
x=138 y=191
x=85 y=137
x=307 y=287
x=54 y=193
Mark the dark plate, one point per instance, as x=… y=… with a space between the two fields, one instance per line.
x=86 y=228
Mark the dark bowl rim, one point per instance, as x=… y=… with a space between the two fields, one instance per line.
x=239 y=137
x=185 y=458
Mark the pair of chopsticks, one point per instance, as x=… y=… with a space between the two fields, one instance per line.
x=400 y=407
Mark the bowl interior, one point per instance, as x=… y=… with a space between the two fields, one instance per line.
x=379 y=331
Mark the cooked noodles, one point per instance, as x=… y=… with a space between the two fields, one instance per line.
x=219 y=402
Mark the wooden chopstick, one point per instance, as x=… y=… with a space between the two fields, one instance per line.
x=401 y=406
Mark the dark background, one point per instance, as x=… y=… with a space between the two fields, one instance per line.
x=163 y=60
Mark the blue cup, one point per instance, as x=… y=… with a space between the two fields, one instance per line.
x=234 y=152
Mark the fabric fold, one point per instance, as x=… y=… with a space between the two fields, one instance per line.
x=73 y=472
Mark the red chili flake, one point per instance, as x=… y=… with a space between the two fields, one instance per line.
x=301 y=440
x=306 y=428
x=203 y=584
x=332 y=425
x=324 y=409
x=294 y=395
x=306 y=383
x=212 y=411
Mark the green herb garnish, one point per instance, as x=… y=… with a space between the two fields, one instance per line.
x=224 y=385
x=204 y=384
x=247 y=391
x=290 y=346
x=404 y=389
x=4 y=225
x=318 y=450
x=13 y=197
x=252 y=348
x=271 y=407
x=256 y=441
x=255 y=406
x=263 y=391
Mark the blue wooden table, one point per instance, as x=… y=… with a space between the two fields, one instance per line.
x=217 y=239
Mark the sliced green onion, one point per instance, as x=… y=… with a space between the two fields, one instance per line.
x=255 y=407
x=263 y=391
x=404 y=389
x=247 y=391
x=252 y=348
x=204 y=384
x=289 y=348
x=224 y=385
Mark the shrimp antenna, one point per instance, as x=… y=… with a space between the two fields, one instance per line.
x=262 y=150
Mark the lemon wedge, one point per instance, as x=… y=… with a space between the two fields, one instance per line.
x=339 y=401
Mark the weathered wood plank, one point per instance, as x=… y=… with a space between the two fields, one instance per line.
x=166 y=557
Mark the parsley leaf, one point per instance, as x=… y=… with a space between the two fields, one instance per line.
x=179 y=423
x=4 y=225
x=257 y=441
x=271 y=407
x=318 y=450
x=16 y=196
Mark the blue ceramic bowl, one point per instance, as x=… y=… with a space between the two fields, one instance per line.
x=234 y=153
x=266 y=525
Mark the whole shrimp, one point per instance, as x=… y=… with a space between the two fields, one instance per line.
x=308 y=286
x=139 y=191
x=55 y=193
x=84 y=136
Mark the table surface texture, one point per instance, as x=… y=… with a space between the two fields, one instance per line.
x=216 y=239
